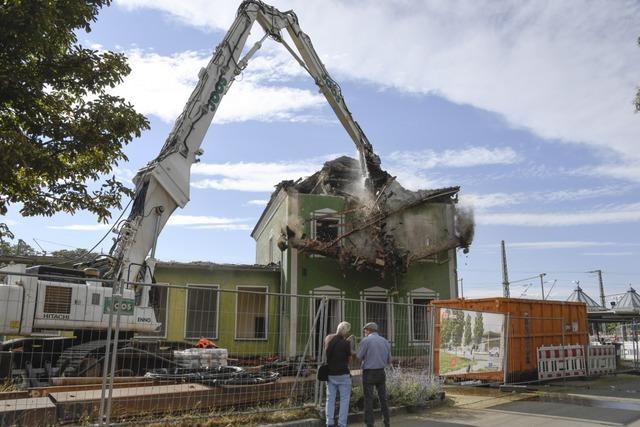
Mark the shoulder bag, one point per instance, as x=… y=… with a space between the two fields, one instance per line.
x=323 y=370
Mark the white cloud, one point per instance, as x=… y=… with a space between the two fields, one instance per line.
x=485 y=201
x=627 y=171
x=467 y=157
x=209 y=222
x=251 y=176
x=8 y=222
x=160 y=85
x=261 y=202
x=606 y=215
x=567 y=244
x=614 y=254
x=191 y=221
x=415 y=169
x=81 y=227
x=565 y=70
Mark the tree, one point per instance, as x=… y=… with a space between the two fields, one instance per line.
x=61 y=132
x=457 y=327
x=467 y=330
x=22 y=248
x=445 y=332
x=478 y=328
x=74 y=254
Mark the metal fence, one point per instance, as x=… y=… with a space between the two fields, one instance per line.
x=264 y=351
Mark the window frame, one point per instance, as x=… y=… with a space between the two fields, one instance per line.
x=325 y=213
x=379 y=292
x=266 y=313
x=201 y=286
x=420 y=293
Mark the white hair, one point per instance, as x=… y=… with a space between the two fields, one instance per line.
x=343 y=328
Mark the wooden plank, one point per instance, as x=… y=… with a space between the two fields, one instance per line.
x=47 y=390
x=14 y=395
x=39 y=411
x=95 y=380
x=167 y=399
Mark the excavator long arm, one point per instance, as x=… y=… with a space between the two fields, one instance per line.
x=163 y=184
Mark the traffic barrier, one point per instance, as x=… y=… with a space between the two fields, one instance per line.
x=601 y=359
x=561 y=361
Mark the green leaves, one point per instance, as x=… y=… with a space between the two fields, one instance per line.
x=60 y=131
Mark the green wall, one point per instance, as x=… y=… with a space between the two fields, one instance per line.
x=228 y=278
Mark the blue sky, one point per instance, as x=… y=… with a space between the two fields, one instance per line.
x=526 y=105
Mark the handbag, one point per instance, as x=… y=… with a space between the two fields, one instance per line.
x=323 y=370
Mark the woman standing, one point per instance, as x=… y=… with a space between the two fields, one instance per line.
x=338 y=350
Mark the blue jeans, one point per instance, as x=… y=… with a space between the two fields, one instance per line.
x=341 y=384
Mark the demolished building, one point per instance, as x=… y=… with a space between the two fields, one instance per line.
x=337 y=235
x=386 y=229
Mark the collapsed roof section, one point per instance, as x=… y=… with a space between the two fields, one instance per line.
x=384 y=226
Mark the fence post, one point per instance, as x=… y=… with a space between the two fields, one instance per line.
x=564 y=358
x=105 y=362
x=432 y=337
x=117 y=299
x=505 y=356
x=320 y=353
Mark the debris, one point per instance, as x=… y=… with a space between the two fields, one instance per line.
x=384 y=228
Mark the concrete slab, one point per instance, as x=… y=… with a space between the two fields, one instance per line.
x=35 y=411
x=566 y=410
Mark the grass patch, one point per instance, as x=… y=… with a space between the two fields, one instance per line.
x=276 y=413
x=450 y=362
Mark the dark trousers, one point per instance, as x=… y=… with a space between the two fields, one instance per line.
x=374 y=378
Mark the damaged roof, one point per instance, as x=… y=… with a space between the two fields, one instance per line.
x=337 y=178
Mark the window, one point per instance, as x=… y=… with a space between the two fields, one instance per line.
x=202 y=312
x=325 y=225
x=95 y=299
x=420 y=319
x=376 y=310
x=327 y=229
x=251 y=313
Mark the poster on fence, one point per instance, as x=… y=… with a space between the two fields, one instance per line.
x=470 y=341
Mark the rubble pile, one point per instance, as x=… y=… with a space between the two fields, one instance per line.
x=383 y=226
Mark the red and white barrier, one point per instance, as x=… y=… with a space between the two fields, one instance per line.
x=601 y=359
x=561 y=361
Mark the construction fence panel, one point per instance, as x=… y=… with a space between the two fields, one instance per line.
x=216 y=352
x=561 y=361
x=627 y=334
x=601 y=359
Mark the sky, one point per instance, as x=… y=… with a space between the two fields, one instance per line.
x=526 y=105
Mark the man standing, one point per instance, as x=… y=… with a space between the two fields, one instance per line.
x=375 y=353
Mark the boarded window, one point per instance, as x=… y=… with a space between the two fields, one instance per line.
x=376 y=310
x=202 y=313
x=57 y=299
x=420 y=319
x=251 y=313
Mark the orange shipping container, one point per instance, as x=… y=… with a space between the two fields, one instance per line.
x=530 y=324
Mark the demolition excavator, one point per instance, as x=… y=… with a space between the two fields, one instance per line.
x=38 y=300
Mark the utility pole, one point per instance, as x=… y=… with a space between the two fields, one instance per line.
x=461 y=288
x=542 y=283
x=599 y=272
x=505 y=275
